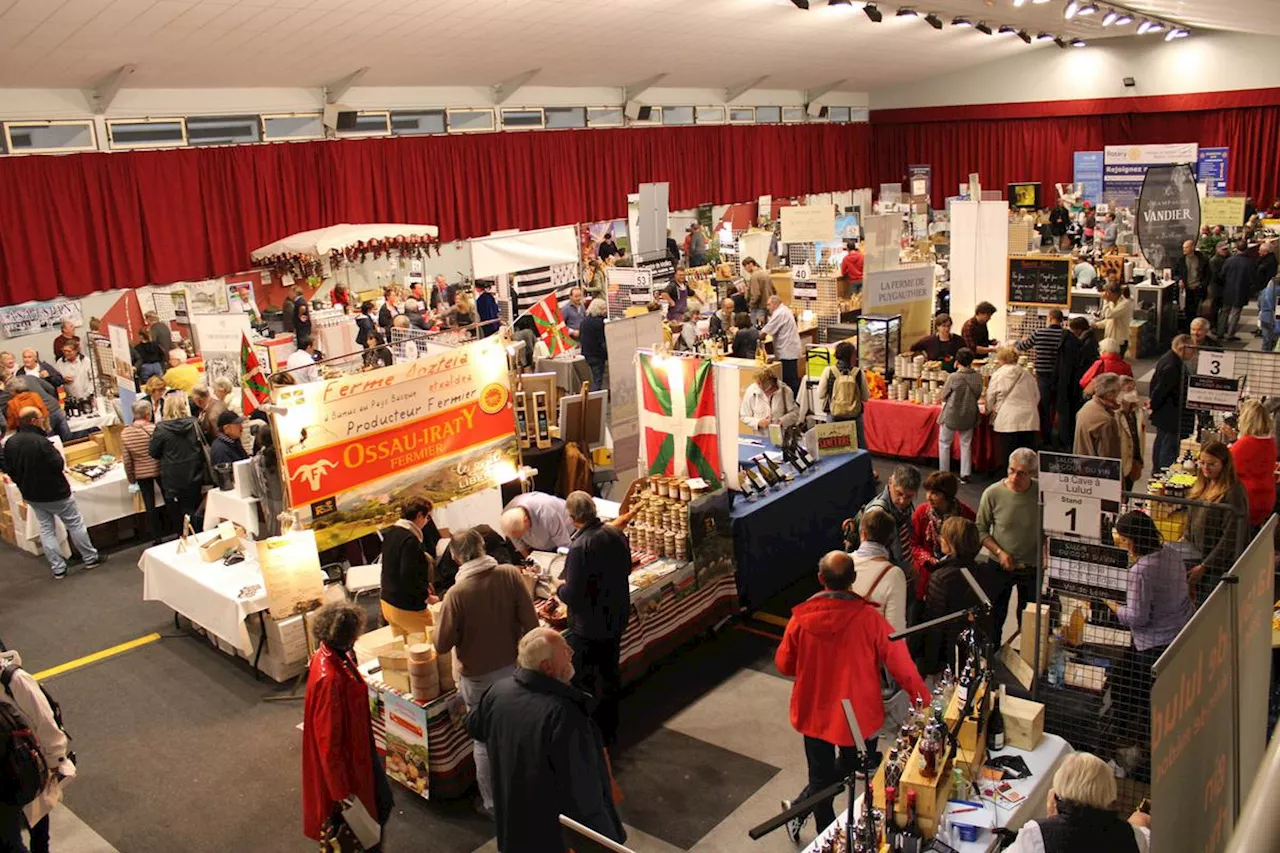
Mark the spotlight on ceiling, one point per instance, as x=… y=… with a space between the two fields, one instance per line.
x=1073 y=9
x=933 y=20
x=1149 y=26
x=801 y=4
x=1044 y=37
x=961 y=22
x=1025 y=36
x=1060 y=42
x=1079 y=43
x=1123 y=19
x=983 y=27
x=1177 y=33
x=839 y=2
x=1018 y=3
x=873 y=12
x=1144 y=26
x=907 y=13
x=1039 y=2
x=1110 y=18
x=1088 y=9
x=1005 y=29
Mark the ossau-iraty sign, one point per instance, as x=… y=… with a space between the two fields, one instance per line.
x=1168 y=213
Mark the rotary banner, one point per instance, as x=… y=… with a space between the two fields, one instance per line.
x=354 y=448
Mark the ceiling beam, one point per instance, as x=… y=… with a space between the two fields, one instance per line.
x=335 y=91
x=507 y=88
x=630 y=93
x=812 y=95
x=106 y=89
x=737 y=91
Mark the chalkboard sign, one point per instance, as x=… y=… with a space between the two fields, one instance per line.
x=1044 y=281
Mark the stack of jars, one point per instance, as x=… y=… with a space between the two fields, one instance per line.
x=661 y=523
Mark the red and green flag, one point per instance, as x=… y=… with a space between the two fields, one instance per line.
x=253 y=384
x=550 y=322
x=678 y=417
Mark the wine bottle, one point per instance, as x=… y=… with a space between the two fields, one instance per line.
x=891 y=769
x=930 y=746
x=890 y=819
x=995 y=727
x=910 y=837
x=962 y=689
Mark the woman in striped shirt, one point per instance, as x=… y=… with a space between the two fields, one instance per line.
x=142 y=471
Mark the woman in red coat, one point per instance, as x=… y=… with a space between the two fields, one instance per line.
x=926 y=524
x=1254 y=453
x=338 y=758
x=1109 y=361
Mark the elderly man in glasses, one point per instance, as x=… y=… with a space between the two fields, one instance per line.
x=1009 y=524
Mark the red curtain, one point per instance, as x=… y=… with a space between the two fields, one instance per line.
x=73 y=224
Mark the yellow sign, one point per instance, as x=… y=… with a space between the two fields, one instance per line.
x=1222 y=210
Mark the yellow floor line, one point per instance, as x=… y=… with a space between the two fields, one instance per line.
x=758 y=632
x=95 y=657
x=780 y=621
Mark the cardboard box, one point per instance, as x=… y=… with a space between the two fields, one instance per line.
x=1027 y=640
x=1023 y=722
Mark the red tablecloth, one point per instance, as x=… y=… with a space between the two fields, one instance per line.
x=910 y=431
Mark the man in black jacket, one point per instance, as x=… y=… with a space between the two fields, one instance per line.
x=227 y=448
x=1059 y=219
x=1079 y=351
x=1168 y=401
x=547 y=756
x=1237 y=276
x=36 y=468
x=598 y=596
x=1192 y=274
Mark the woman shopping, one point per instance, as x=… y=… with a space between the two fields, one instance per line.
x=1013 y=400
x=178 y=445
x=940 y=504
x=1217 y=532
x=1254 y=454
x=960 y=414
x=842 y=389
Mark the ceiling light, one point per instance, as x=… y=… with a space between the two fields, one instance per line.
x=1176 y=33
x=983 y=28
x=1123 y=19
x=961 y=22
x=1025 y=36
x=1149 y=26
x=873 y=12
x=1079 y=43
x=1144 y=26
x=1005 y=29
x=839 y=2
x=1017 y=3
x=1039 y=2
x=1110 y=18
x=1044 y=37
x=903 y=13
x=1060 y=42
x=1073 y=9
x=933 y=21
x=801 y=4
x=1155 y=27
x=1089 y=9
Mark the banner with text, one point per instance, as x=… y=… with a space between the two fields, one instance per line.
x=1087 y=173
x=354 y=448
x=1168 y=214
x=1211 y=170
x=902 y=290
x=1125 y=166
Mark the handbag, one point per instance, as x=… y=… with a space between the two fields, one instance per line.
x=337 y=837
x=207 y=454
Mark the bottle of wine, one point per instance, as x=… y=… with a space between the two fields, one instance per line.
x=891 y=769
x=930 y=747
x=890 y=819
x=995 y=727
x=962 y=689
x=911 y=838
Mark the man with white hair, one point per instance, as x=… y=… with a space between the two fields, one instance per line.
x=33 y=366
x=547 y=755
x=1097 y=426
x=787 y=348
x=1081 y=814
x=594 y=345
x=597 y=593
x=1009 y=524
x=536 y=521
x=484 y=615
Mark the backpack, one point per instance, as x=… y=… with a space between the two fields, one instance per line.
x=846 y=401
x=23 y=770
x=6 y=678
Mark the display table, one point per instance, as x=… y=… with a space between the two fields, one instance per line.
x=910 y=431
x=84 y=424
x=103 y=500
x=779 y=538
x=571 y=371
x=209 y=594
x=1042 y=762
x=226 y=505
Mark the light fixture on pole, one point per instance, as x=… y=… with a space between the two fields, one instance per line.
x=873 y=12
x=933 y=20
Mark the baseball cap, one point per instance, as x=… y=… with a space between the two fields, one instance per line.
x=229 y=417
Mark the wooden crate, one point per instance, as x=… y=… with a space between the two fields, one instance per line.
x=1023 y=722
x=1027 y=638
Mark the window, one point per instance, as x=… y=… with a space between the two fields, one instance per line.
x=677 y=115
x=742 y=115
x=223 y=130
x=35 y=137
x=293 y=126
x=470 y=121
x=521 y=119
x=791 y=115
x=147 y=133
x=417 y=122
x=710 y=115
x=840 y=114
x=768 y=115
x=604 y=116
x=647 y=116
x=559 y=118
x=352 y=123
x=859 y=115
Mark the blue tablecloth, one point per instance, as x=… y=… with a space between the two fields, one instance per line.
x=779 y=538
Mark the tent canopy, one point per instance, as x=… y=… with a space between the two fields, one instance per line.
x=321 y=241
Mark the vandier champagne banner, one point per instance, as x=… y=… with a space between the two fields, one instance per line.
x=354 y=448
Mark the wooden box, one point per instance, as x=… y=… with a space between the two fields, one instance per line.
x=84 y=450
x=1023 y=722
x=1027 y=640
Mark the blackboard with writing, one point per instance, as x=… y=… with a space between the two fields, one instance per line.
x=1044 y=281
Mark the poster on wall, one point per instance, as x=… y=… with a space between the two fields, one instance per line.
x=1125 y=166
x=355 y=447
x=809 y=224
x=32 y=318
x=1211 y=170
x=1222 y=210
x=209 y=297
x=902 y=290
x=1168 y=214
x=1087 y=174
x=591 y=234
x=218 y=338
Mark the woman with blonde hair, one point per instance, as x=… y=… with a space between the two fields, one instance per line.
x=1254 y=454
x=179 y=447
x=1082 y=814
x=1213 y=530
x=1013 y=402
x=155 y=390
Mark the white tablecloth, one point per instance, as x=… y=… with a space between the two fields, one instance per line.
x=106 y=415
x=105 y=499
x=570 y=370
x=1042 y=762
x=206 y=593
x=228 y=506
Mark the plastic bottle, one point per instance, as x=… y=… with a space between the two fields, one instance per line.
x=1057 y=661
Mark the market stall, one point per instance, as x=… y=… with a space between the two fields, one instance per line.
x=910 y=431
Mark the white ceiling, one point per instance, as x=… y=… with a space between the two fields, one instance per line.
x=698 y=43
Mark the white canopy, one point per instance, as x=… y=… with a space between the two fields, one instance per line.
x=320 y=242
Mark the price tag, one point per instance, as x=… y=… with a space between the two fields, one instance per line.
x=802 y=272
x=1216 y=364
x=1072 y=515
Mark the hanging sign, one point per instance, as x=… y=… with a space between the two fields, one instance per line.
x=1216 y=363
x=1080 y=476
x=1073 y=515
x=1222 y=210
x=815 y=223
x=1043 y=281
x=1213 y=393
x=1088 y=570
x=1168 y=214
x=35 y=317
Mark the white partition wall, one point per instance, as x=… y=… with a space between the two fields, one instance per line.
x=979 y=260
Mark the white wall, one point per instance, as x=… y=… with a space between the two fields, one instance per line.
x=1205 y=62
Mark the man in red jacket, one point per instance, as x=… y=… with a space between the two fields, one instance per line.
x=834 y=646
